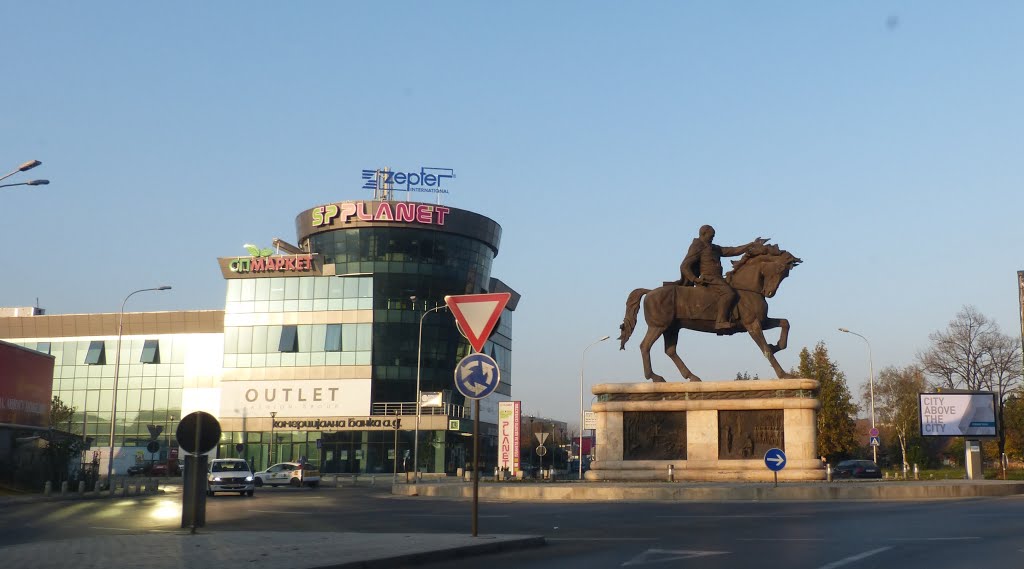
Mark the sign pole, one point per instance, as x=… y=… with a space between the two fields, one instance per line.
x=476 y=465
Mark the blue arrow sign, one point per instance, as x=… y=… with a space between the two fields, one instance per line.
x=476 y=376
x=775 y=459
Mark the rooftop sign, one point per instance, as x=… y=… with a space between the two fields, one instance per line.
x=428 y=180
x=403 y=212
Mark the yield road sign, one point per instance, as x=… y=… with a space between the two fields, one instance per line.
x=477 y=314
x=775 y=459
x=541 y=437
x=875 y=441
x=476 y=376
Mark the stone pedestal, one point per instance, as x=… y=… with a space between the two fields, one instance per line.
x=708 y=431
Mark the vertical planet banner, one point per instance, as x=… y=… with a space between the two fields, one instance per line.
x=509 y=417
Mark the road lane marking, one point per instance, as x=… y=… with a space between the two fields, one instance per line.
x=955 y=538
x=662 y=555
x=854 y=558
x=601 y=538
x=450 y=516
x=780 y=539
x=736 y=516
x=280 y=511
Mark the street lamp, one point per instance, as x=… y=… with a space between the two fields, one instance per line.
x=583 y=361
x=28 y=183
x=871 y=370
x=23 y=168
x=117 y=366
x=271 y=453
x=419 y=360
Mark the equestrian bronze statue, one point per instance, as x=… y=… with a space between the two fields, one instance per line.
x=708 y=302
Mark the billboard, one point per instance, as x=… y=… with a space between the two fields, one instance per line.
x=26 y=386
x=509 y=421
x=958 y=414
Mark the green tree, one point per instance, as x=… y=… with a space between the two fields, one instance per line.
x=60 y=413
x=896 y=403
x=836 y=426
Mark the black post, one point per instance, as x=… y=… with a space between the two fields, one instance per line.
x=476 y=459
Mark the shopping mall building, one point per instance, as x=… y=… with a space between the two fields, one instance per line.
x=316 y=352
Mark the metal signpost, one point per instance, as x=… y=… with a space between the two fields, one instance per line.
x=477 y=375
x=775 y=460
x=198 y=433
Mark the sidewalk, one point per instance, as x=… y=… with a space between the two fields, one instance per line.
x=256 y=550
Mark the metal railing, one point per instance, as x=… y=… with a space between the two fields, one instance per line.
x=409 y=408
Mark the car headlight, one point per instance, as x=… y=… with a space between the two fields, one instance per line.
x=248 y=478
x=216 y=478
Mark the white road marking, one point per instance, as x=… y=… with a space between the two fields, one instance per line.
x=279 y=512
x=780 y=539
x=736 y=516
x=854 y=558
x=449 y=516
x=957 y=538
x=601 y=538
x=662 y=555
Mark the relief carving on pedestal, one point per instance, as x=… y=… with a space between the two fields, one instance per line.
x=747 y=435
x=654 y=435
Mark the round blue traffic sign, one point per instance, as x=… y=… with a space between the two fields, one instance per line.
x=476 y=376
x=775 y=459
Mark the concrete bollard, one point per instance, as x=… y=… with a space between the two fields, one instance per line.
x=373 y=480
x=48 y=488
x=671 y=473
x=64 y=487
x=917 y=474
x=81 y=487
x=828 y=472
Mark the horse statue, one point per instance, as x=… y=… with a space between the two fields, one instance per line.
x=671 y=307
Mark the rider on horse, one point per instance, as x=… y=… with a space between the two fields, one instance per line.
x=703 y=266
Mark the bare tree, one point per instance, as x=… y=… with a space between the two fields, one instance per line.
x=896 y=402
x=973 y=354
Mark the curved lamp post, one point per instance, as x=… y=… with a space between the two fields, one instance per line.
x=419 y=360
x=24 y=168
x=871 y=379
x=117 y=368
x=583 y=361
x=28 y=183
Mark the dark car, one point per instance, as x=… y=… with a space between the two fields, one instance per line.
x=164 y=469
x=136 y=469
x=856 y=469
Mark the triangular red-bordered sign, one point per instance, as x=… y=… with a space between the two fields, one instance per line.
x=477 y=314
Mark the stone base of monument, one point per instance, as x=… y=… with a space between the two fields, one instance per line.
x=706 y=431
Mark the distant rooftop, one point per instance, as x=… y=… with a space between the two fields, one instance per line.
x=21 y=311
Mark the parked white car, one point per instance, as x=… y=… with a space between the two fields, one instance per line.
x=289 y=474
x=229 y=475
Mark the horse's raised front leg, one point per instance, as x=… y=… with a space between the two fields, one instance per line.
x=757 y=334
x=770 y=323
x=671 y=340
x=645 y=352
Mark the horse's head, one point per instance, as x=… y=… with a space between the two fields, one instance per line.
x=763 y=269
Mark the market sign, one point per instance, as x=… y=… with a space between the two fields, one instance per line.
x=271 y=266
x=958 y=414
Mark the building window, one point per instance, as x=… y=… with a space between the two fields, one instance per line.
x=289 y=339
x=333 y=341
x=43 y=348
x=96 y=354
x=151 y=352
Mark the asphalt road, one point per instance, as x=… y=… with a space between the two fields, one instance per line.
x=818 y=535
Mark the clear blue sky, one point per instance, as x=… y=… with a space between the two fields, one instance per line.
x=880 y=142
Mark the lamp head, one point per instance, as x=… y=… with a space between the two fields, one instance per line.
x=164 y=287
x=28 y=165
x=844 y=330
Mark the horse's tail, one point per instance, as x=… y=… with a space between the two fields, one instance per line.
x=632 y=309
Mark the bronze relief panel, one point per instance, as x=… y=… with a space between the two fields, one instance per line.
x=745 y=435
x=657 y=435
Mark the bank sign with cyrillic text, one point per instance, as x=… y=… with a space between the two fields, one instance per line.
x=958 y=414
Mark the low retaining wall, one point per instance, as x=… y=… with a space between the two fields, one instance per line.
x=677 y=492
